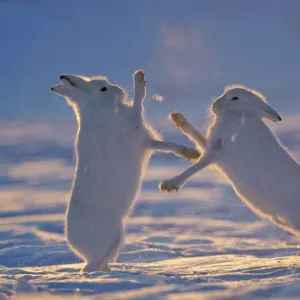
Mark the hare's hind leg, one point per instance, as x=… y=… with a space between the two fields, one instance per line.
x=192 y=133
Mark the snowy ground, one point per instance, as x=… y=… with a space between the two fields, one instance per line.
x=199 y=243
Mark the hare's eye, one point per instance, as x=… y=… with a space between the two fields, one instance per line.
x=103 y=89
x=235 y=98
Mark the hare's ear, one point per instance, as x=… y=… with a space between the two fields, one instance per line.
x=268 y=112
x=61 y=90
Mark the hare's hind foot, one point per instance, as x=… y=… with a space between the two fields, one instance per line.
x=96 y=267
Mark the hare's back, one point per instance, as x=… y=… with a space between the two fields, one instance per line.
x=262 y=172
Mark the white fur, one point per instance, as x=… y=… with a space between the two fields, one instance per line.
x=113 y=147
x=245 y=150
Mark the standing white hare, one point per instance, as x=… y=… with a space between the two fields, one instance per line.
x=244 y=149
x=113 y=147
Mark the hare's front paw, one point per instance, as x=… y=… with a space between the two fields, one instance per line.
x=139 y=77
x=189 y=153
x=170 y=185
x=178 y=119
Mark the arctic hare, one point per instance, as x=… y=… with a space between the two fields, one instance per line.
x=244 y=149
x=113 y=147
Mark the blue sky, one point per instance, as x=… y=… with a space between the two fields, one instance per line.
x=189 y=49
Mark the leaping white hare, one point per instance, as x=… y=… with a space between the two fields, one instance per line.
x=113 y=147
x=245 y=150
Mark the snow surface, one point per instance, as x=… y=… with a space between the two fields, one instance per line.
x=199 y=243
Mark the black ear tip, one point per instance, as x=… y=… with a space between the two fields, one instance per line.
x=279 y=118
x=52 y=89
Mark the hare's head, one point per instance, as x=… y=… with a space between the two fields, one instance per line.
x=94 y=93
x=237 y=100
